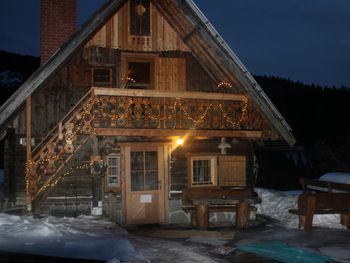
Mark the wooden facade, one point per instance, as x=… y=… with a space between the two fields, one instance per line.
x=105 y=121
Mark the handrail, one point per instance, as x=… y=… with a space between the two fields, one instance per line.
x=168 y=94
x=43 y=141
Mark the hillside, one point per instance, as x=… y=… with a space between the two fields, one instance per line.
x=14 y=69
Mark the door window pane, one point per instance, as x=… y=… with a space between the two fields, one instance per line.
x=151 y=180
x=144 y=171
x=137 y=180
x=151 y=160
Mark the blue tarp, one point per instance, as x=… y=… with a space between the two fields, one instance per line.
x=283 y=252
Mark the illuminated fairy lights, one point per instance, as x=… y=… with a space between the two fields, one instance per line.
x=224 y=84
x=121 y=110
x=178 y=104
x=71 y=171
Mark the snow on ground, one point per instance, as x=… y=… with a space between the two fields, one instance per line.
x=10 y=79
x=83 y=237
x=276 y=204
x=88 y=237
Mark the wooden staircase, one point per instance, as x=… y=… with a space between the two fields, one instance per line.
x=52 y=158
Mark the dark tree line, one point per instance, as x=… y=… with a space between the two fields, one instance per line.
x=319 y=117
x=25 y=65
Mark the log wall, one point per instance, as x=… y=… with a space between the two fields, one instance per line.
x=179 y=160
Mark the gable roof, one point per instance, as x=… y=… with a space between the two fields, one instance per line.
x=201 y=25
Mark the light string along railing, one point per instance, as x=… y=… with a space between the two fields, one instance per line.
x=103 y=105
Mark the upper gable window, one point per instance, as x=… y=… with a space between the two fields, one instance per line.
x=140 y=19
x=102 y=77
x=139 y=75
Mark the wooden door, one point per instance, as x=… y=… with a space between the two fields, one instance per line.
x=144 y=185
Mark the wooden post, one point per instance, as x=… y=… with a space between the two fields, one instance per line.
x=202 y=216
x=310 y=208
x=194 y=219
x=242 y=215
x=29 y=142
x=345 y=220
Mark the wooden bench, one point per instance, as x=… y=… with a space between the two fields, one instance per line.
x=309 y=185
x=200 y=202
x=310 y=204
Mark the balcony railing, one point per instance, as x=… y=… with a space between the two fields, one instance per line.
x=159 y=110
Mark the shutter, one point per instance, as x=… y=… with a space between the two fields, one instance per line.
x=232 y=170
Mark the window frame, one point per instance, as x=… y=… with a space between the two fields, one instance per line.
x=98 y=84
x=213 y=170
x=118 y=173
x=138 y=58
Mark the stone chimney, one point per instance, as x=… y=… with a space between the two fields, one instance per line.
x=58 y=23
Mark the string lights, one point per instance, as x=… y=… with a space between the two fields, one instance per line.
x=178 y=104
x=71 y=171
x=122 y=109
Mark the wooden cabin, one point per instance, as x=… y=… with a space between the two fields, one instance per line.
x=145 y=102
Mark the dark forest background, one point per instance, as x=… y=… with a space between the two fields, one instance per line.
x=319 y=117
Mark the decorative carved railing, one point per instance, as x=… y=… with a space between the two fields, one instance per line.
x=146 y=109
x=156 y=113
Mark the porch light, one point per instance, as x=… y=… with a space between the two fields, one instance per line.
x=179 y=142
x=223 y=145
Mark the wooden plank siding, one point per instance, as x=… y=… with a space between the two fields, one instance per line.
x=171 y=74
x=116 y=34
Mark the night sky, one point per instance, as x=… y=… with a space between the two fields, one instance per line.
x=306 y=40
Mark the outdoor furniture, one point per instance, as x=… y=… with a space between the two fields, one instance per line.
x=199 y=203
x=310 y=204
x=323 y=186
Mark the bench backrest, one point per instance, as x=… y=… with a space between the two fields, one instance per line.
x=323 y=201
x=214 y=193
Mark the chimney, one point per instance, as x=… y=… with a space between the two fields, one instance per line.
x=58 y=23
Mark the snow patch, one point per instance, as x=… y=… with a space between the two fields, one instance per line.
x=336 y=177
x=82 y=238
x=10 y=79
x=276 y=204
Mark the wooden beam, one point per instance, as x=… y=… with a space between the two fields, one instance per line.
x=182 y=133
x=28 y=128
x=167 y=94
x=28 y=142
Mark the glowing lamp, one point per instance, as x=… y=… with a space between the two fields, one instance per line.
x=179 y=142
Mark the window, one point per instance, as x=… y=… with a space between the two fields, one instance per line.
x=102 y=77
x=139 y=75
x=203 y=170
x=144 y=171
x=113 y=170
x=140 y=19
